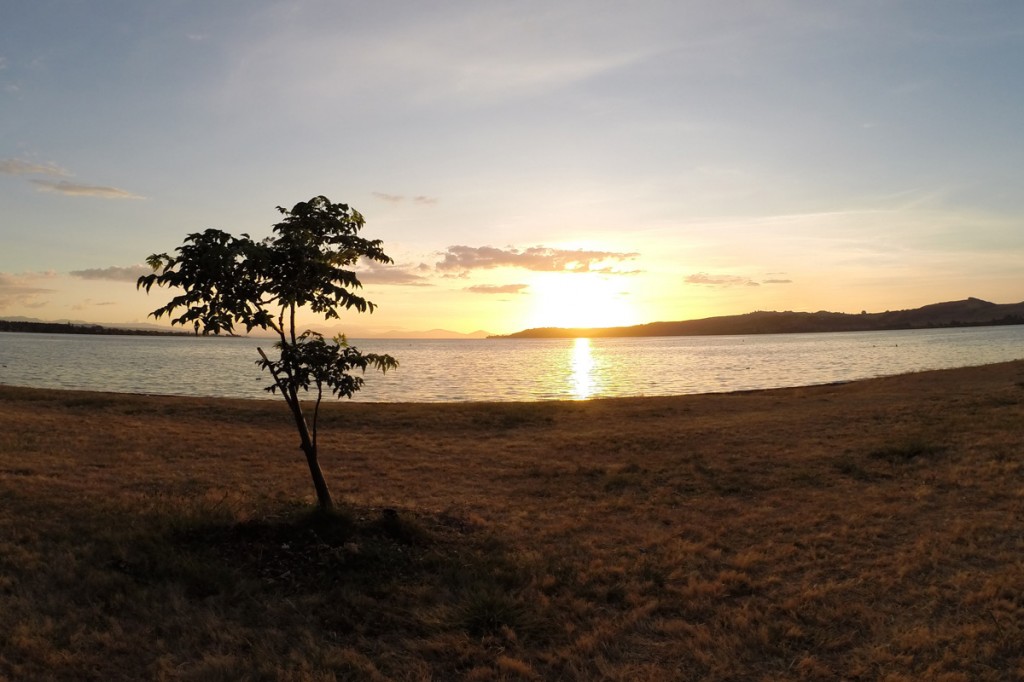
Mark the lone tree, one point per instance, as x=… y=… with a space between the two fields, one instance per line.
x=263 y=284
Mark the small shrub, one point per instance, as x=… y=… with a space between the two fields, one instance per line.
x=617 y=483
x=487 y=610
x=398 y=528
x=907 y=451
x=848 y=466
x=590 y=471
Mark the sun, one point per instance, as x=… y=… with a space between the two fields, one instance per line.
x=580 y=300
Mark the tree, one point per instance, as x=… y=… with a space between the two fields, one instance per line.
x=230 y=280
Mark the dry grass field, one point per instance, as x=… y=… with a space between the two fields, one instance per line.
x=865 y=531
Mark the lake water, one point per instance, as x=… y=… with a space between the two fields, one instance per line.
x=507 y=369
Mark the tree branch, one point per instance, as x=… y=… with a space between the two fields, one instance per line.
x=277 y=379
x=316 y=410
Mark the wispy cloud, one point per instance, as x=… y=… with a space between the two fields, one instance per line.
x=79 y=190
x=22 y=167
x=498 y=288
x=776 y=281
x=537 y=258
x=399 y=198
x=24 y=288
x=706 y=279
x=114 y=273
x=371 y=272
x=89 y=303
x=482 y=53
x=501 y=75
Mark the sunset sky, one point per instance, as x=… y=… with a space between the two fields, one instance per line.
x=526 y=164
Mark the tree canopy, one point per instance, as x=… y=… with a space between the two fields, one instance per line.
x=308 y=263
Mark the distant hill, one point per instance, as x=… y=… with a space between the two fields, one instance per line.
x=971 y=312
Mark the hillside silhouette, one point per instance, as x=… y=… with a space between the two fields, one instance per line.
x=970 y=312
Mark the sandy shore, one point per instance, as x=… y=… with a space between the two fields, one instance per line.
x=862 y=530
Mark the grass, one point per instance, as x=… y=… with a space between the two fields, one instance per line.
x=867 y=531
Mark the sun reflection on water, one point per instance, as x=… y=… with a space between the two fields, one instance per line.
x=583 y=384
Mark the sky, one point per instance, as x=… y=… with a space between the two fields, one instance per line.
x=555 y=163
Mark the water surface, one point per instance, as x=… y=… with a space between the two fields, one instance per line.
x=508 y=369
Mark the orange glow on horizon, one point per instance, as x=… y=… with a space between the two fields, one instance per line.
x=580 y=300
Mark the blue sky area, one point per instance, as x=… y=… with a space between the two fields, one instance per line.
x=526 y=164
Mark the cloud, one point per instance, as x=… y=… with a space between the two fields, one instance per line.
x=776 y=278
x=77 y=190
x=482 y=52
x=22 y=288
x=498 y=288
x=114 y=273
x=536 y=258
x=399 y=198
x=89 y=303
x=705 y=279
x=21 y=167
x=372 y=272
x=10 y=281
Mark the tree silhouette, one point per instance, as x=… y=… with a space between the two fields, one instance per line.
x=229 y=280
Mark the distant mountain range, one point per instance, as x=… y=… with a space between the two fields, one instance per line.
x=971 y=312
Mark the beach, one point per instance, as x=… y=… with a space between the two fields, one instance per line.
x=866 y=530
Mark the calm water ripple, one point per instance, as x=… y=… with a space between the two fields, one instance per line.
x=507 y=369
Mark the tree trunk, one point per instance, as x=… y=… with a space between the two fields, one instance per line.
x=306 y=444
x=323 y=493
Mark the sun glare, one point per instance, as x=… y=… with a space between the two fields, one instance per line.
x=582 y=369
x=580 y=300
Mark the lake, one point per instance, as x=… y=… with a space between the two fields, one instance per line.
x=508 y=369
